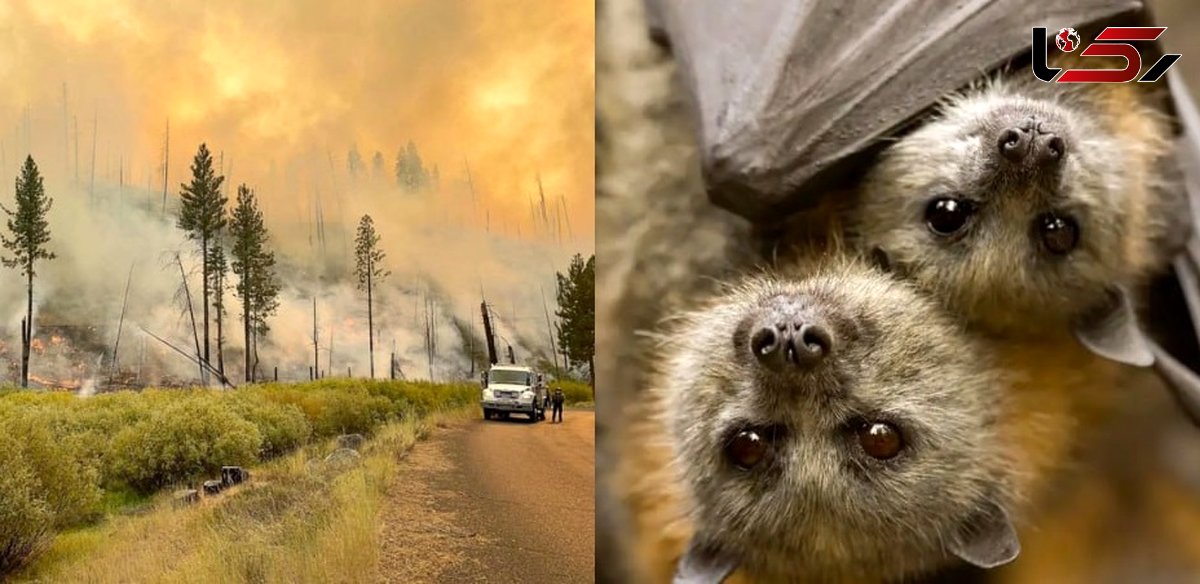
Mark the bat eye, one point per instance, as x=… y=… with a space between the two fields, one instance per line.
x=1059 y=233
x=947 y=216
x=880 y=440
x=746 y=449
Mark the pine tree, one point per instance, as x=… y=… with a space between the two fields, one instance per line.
x=377 y=166
x=254 y=264
x=577 y=309
x=28 y=234
x=368 y=260
x=410 y=171
x=354 y=163
x=202 y=217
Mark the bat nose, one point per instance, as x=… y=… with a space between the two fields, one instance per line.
x=1032 y=142
x=788 y=338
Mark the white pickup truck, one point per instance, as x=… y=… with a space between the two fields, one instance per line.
x=513 y=388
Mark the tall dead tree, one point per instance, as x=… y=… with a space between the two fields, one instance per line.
x=120 y=325
x=166 y=165
x=187 y=292
x=549 y=331
x=66 y=160
x=92 y=184
x=316 y=368
x=488 y=333
x=75 y=119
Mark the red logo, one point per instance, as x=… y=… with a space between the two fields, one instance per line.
x=1067 y=39
x=1106 y=45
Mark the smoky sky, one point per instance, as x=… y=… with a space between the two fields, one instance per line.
x=280 y=91
x=290 y=86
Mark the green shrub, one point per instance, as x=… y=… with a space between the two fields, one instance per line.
x=25 y=519
x=183 y=441
x=57 y=450
x=574 y=391
x=69 y=487
x=283 y=427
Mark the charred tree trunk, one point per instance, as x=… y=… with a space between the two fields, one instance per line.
x=316 y=356
x=204 y=291
x=246 y=332
x=166 y=165
x=192 y=313
x=370 y=319
x=488 y=335
x=220 y=328
x=27 y=334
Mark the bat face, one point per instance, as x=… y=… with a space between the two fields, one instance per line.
x=836 y=424
x=1010 y=208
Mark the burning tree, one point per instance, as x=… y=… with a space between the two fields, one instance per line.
x=202 y=216
x=258 y=285
x=367 y=266
x=28 y=234
x=577 y=309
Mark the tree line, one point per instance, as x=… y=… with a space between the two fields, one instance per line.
x=229 y=241
x=408 y=170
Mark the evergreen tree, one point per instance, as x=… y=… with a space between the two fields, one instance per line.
x=202 y=217
x=377 y=166
x=354 y=163
x=28 y=234
x=577 y=309
x=368 y=267
x=411 y=174
x=254 y=263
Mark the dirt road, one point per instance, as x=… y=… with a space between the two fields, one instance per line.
x=495 y=501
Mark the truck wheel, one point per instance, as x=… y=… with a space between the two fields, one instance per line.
x=487 y=414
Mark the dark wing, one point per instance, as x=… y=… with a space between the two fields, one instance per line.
x=1179 y=370
x=786 y=92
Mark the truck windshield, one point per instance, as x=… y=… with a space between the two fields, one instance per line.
x=499 y=376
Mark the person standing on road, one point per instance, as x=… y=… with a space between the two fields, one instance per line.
x=558 y=400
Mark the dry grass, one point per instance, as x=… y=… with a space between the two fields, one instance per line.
x=291 y=523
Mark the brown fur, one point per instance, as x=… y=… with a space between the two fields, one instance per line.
x=993 y=272
x=1046 y=407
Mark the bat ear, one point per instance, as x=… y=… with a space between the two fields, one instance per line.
x=987 y=539
x=1112 y=332
x=702 y=564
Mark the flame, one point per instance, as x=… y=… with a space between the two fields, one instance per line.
x=37 y=345
x=56 y=340
x=47 y=382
